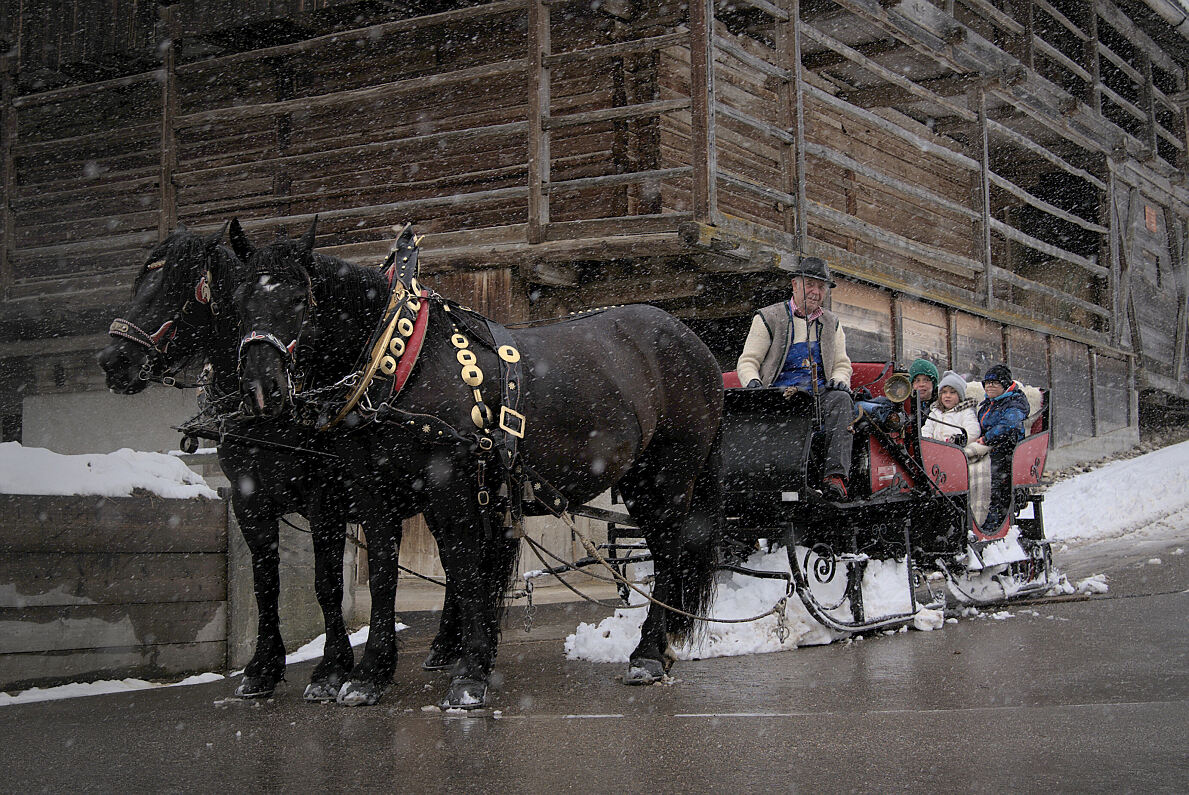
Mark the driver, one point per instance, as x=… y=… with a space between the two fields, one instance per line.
x=801 y=345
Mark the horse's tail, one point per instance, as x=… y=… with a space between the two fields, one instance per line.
x=701 y=537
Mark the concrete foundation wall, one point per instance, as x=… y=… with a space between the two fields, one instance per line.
x=100 y=422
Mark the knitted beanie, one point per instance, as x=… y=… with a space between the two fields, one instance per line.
x=924 y=367
x=999 y=373
x=954 y=381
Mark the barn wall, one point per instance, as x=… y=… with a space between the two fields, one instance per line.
x=1068 y=226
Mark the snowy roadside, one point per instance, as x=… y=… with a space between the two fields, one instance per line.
x=1122 y=498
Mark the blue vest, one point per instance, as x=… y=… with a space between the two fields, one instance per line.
x=796 y=371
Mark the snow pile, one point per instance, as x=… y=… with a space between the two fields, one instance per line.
x=740 y=596
x=97 y=689
x=35 y=470
x=1119 y=498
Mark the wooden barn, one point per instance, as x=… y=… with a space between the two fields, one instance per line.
x=990 y=179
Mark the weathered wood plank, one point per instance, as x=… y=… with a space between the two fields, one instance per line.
x=1011 y=232
x=937 y=258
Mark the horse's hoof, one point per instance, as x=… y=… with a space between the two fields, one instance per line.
x=439 y=661
x=257 y=686
x=360 y=694
x=644 y=671
x=465 y=693
x=323 y=690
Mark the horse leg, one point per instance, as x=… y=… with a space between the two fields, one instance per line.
x=267 y=666
x=680 y=520
x=329 y=536
x=447 y=644
x=483 y=577
x=372 y=676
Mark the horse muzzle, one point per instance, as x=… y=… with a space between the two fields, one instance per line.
x=125 y=374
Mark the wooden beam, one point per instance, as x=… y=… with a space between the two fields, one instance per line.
x=896 y=312
x=826 y=59
x=771 y=130
x=609 y=180
x=909 y=88
x=83 y=90
x=359 y=97
x=883 y=124
x=1094 y=92
x=648 y=44
x=786 y=48
x=1179 y=251
x=900 y=91
x=801 y=208
x=1053 y=54
x=538 y=120
x=1004 y=131
x=702 y=99
x=722 y=44
x=771 y=9
x=983 y=152
x=1057 y=252
x=771 y=194
x=849 y=163
x=1094 y=403
x=1132 y=32
x=1041 y=204
x=933 y=256
x=8 y=136
x=641 y=110
x=1065 y=21
x=1016 y=280
x=169 y=106
x=368 y=33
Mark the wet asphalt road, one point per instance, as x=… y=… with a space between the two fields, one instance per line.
x=1088 y=695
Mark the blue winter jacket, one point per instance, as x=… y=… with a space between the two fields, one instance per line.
x=1002 y=419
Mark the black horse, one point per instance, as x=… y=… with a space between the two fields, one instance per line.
x=627 y=396
x=180 y=312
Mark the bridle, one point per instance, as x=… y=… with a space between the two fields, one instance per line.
x=157 y=344
x=293 y=376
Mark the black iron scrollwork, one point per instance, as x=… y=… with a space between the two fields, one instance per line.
x=1035 y=471
x=938 y=475
x=826 y=565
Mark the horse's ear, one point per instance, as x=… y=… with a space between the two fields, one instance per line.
x=181 y=227
x=307 y=240
x=239 y=241
x=217 y=237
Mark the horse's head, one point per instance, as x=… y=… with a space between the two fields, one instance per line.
x=275 y=305
x=174 y=300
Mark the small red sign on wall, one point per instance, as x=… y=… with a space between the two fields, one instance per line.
x=1150 y=218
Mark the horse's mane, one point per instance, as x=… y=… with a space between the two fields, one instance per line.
x=337 y=284
x=185 y=253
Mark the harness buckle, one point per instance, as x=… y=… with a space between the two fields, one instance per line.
x=484 y=496
x=485 y=443
x=518 y=422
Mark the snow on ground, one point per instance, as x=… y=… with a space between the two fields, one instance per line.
x=35 y=470
x=1118 y=499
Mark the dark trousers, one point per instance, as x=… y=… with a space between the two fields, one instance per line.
x=1001 y=455
x=837 y=413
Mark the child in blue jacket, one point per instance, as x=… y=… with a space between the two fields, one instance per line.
x=1001 y=419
